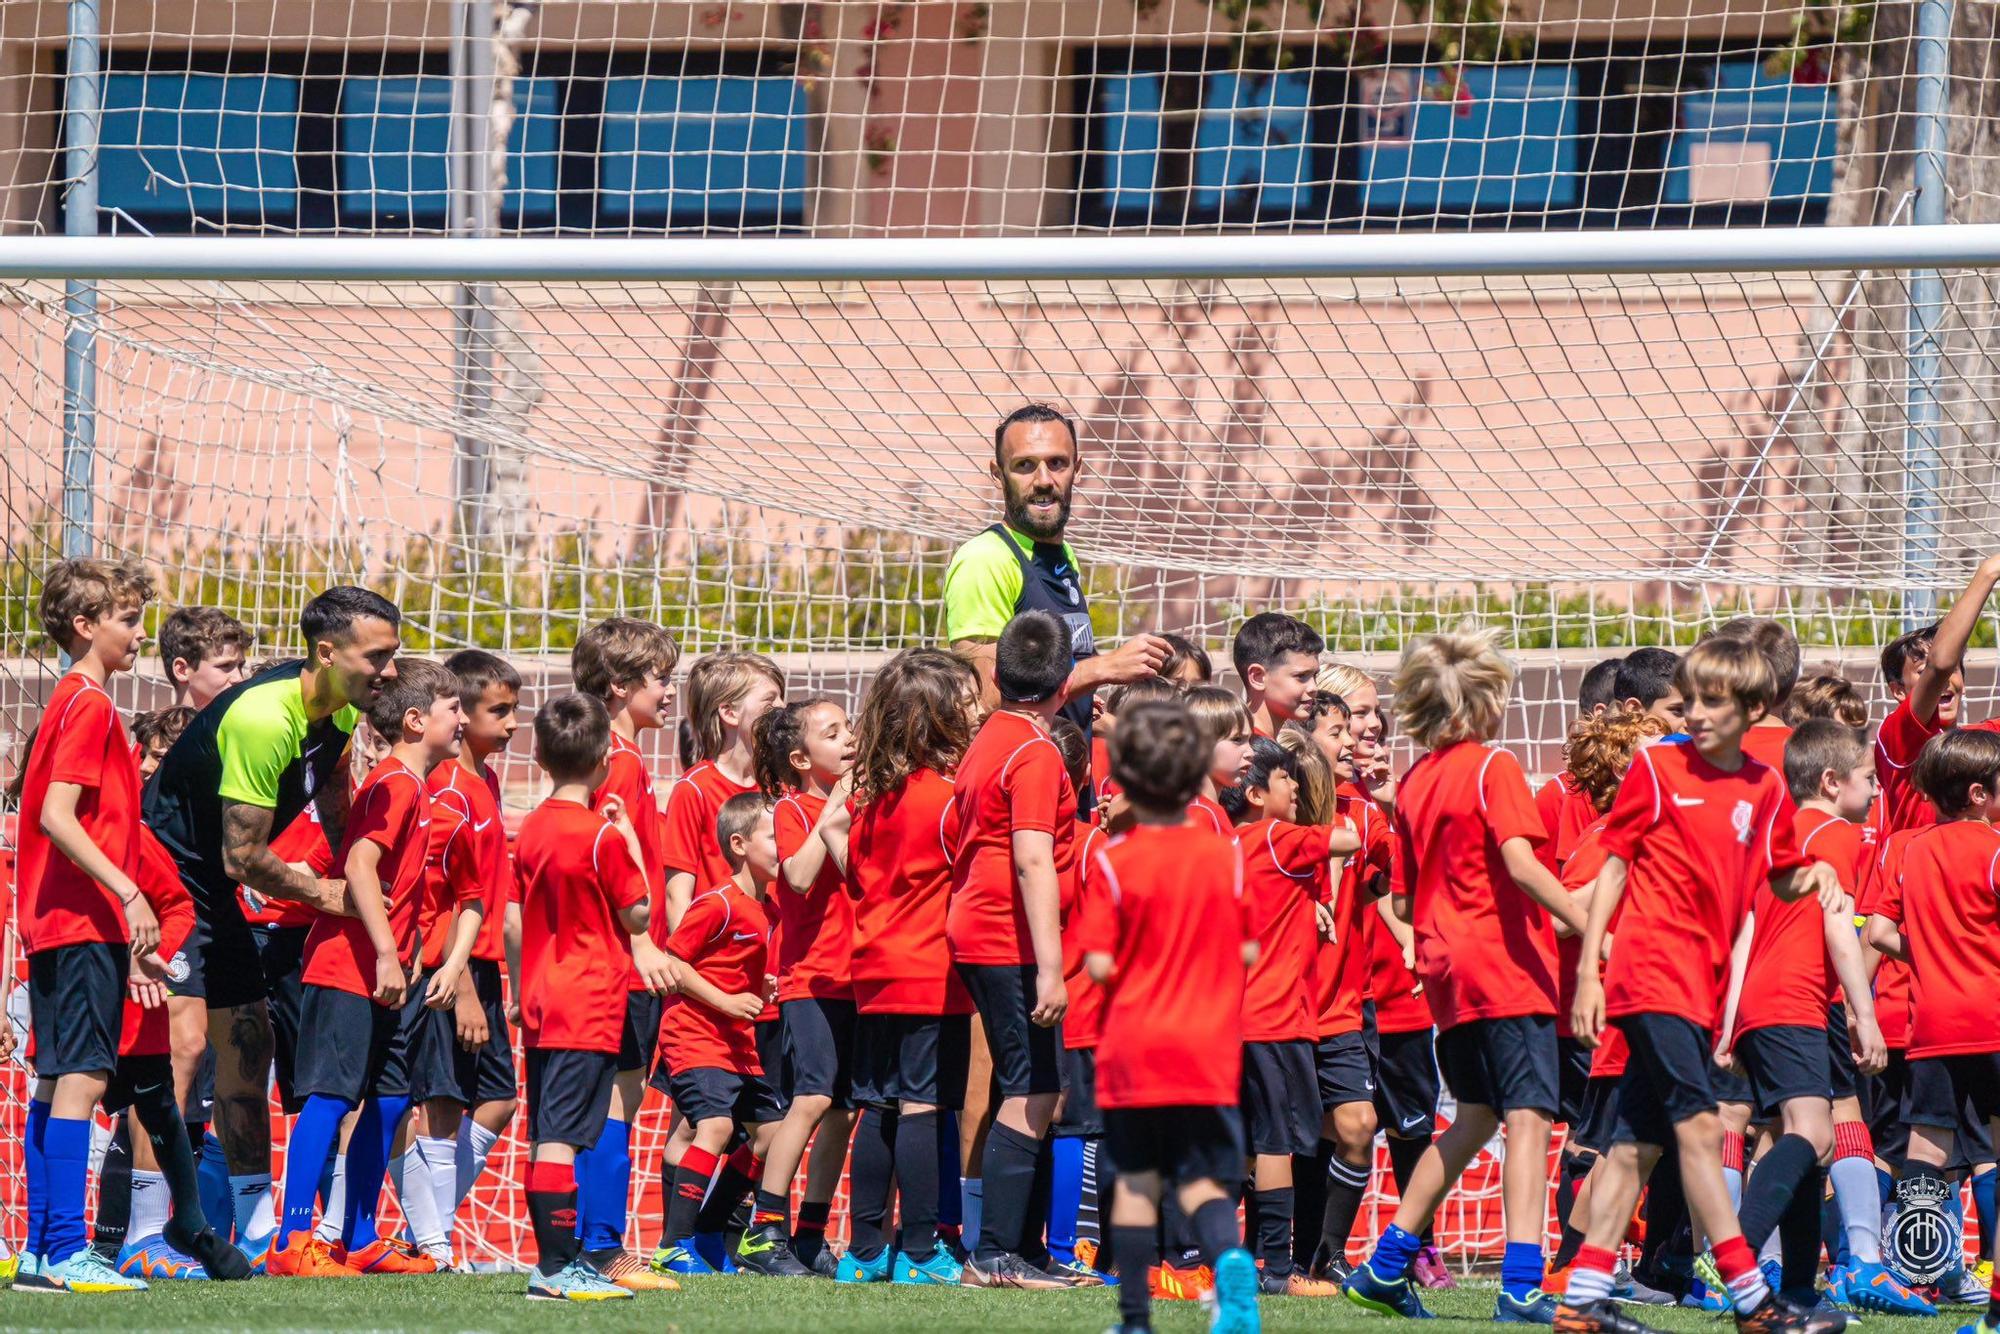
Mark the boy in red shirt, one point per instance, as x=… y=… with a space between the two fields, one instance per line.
x=462 y=1059
x=1943 y=917
x=1924 y=673
x=627 y=665
x=584 y=900
x=85 y=926
x=1167 y=934
x=1017 y=828
x=1696 y=827
x=1801 y=958
x=804 y=753
x=913 y=1033
x=1485 y=910
x=353 y=1049
x=723 y=951
x=1277 y=659
x=1285 y=874
x=1221 y=716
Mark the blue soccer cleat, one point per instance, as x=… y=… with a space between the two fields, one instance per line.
x=1232 y=1302
x=257 y=1250
x=853 y=1270
x=681 y=1261
x=86 y=1271
x=714 y=1248
x=939 y=1269
x=152 y=1258
x=1371 y=1292
x=1537 y=1308
x=1873 y=1288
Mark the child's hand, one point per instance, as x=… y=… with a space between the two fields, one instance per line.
x=1871 y=1053
x=391 y=986
x=1323 y=915
x=6 y=1040
x=655 y=967
x=613 y=810
x=770 y=988
x=1832 y=897
x=441 y=992
x=473 y=1030
x=147 y=982
x=743 y=1005
x=145 y=927
x=1586 y=1012
x=1725 y=1059
x=1051 y=998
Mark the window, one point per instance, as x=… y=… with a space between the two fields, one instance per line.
x=1495 y=137
x=1750 y=139
x=394 y=143
x=216 y=146
x=724 y=150
x=1176 y=136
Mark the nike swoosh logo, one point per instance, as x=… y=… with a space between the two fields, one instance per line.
x=1409 y=1121
x=1679 y=800
x=745 y=936
x=482 y=824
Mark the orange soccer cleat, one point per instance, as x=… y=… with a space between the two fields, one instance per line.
x=1170 y=1284
x=388 y=1255
x=306 y=1256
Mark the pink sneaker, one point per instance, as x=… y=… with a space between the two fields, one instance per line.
x=1430 y=1271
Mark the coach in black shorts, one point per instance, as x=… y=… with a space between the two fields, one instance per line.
x=246 y=766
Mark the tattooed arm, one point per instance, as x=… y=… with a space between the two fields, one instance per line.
x=248 y=860
x=332 y=802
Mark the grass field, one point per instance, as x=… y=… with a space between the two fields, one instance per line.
x=732 y=1305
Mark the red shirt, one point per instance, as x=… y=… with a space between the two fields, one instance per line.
x=899 y=855
x=1170 y=910
x=1698 y=842
x=1284 y=875
x=1892 y=976
x=690 y=844
x=1341 y=970
x=1566 y=811
x=145 y=1032
x=627 y=779
x=393 y=811
x=576 y=875
x=1011 y=780
x=1790 y=980
x=1085 y=1016
x=816 y=928
x=1947 y=903
x=450 y=878
x=1580 y=870
x=727 y=939
x=81 y=740
x=302 y=842
x=1485 y=950
x=1206 y=813
x=1898 y=804
x=1766 y=744
x=484 y=844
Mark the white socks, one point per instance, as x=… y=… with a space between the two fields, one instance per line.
x=256 y=1211
x=474 y=1146
x=332 y=1215
x=150 y=1203
x=1858 y=1193
x=413 y=1191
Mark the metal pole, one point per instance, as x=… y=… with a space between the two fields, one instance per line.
x=80 y=128
x=1922 y=458
x=472 y=209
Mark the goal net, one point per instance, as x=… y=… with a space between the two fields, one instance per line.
x=1314 y=280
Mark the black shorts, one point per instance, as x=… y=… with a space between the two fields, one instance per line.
x=817 y=1037
x=1882 y=1108
x=706 y=1094
x=1843 y=1074
x=1666 y=1080
x=1407 y=1084
x=569 y=1095
x=770 y=1038
x=1081 y=1118
x=281 y=951
x=76 y=1007
x=1027 y=1058
x=1956 y=1093
x=1593 y=1128
x=1342 y=1071
x=349 y=1047
x=223 y=964
x=641 y=1039
x=1572 y=1080
x=1783 y=1062
x=444 y=1069
x=137 y=1074
x=918 y=1058
x=1179 y=1143
x=1281 y=1111
x=1730 y=1086
x=1506 y=1064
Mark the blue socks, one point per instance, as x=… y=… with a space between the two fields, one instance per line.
x=949 y=1212
x=1521 y=1269
x=66 y=1163
x=367 y=1159
x=218 y=1201
x=1983 y=1200
x=307 y=1156
x=1396 y=1250
x=1065 y=1196
x=37 y=1172
x=603 y=1186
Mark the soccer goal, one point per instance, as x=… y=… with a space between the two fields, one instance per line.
x=1601 y=322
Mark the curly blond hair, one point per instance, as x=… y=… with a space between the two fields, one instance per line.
x=1453 y=687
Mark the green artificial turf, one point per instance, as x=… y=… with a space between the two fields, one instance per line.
x=739 y=1305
